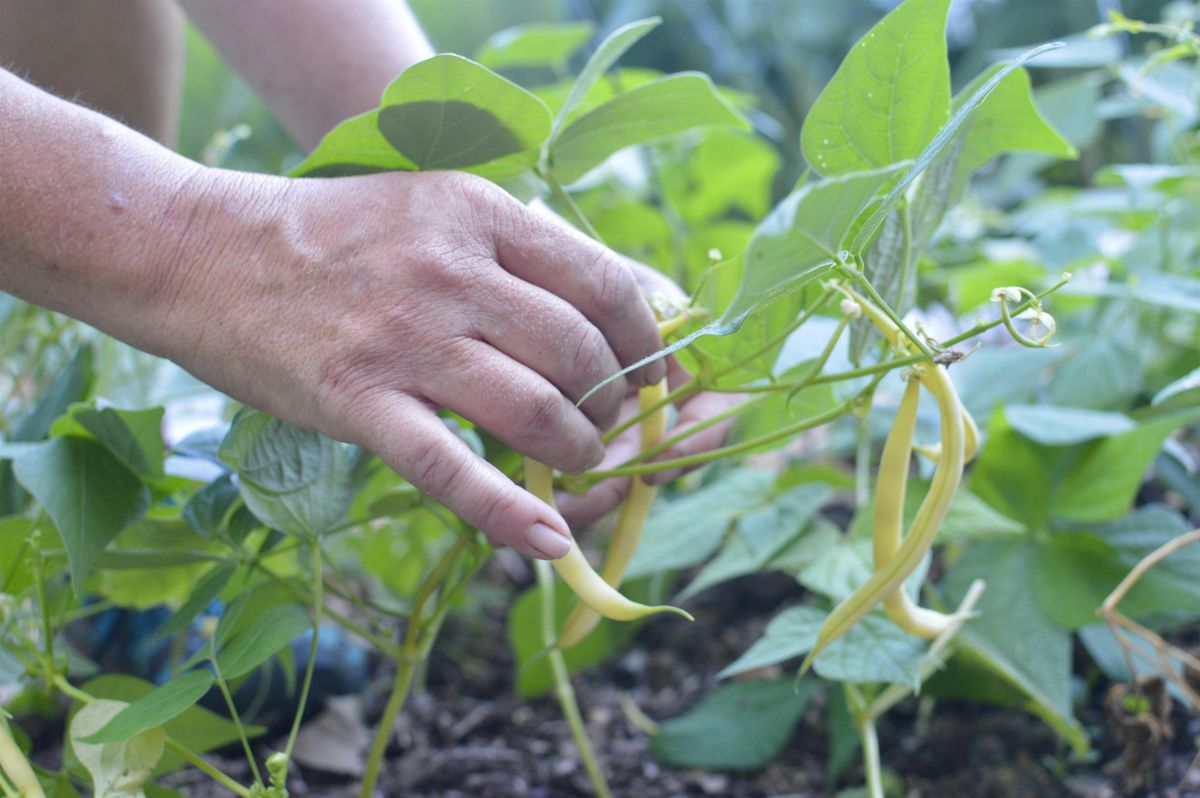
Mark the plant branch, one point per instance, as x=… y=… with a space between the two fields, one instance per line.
x=562 y=682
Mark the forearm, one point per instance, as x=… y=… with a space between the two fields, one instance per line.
x=314 y=62
x=93 y=216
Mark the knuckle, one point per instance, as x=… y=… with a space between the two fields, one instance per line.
x=590 y=360
x=615 y=290
x=541 y=415
x=433 y=469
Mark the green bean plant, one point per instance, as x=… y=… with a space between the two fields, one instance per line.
x=804 y=307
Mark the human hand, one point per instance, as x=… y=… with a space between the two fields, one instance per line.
x=359 y=306
x=583 y=509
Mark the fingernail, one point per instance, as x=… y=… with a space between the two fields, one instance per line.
x=548 y=541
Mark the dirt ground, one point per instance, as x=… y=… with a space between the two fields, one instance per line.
x=468 y=735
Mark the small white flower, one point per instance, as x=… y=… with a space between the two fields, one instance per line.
x=1041 y=320
x=1012 y=293
x=851 y=309
x=714 y=254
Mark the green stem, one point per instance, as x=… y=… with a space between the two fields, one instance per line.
x=318 y=603
x=562 y=682
x=871 y=762
x=237 y=721
x=411 y=654
x=700 y=426
x=860 y=278
x=400 y=686
x=39 y=580
x=821 y=361
x=985 y=326
x=686 y=389
x=206 y=767
x=725 y=451
x=568 y=204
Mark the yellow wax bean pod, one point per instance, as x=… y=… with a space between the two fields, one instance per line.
x=889 y=518
x=578 y=573
x=628 y=532
x=889 y=578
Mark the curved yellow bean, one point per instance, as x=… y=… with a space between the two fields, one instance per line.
x=575 y=569
x=628 y=532
x=889 y=517
x=890 y=577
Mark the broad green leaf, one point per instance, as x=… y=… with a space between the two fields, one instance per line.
x=154 y=709
x=970 y=518
x=1007 y=121
x=706 y=514
x=1012 y=634
x=69 y=386
x=1063 y=426
x=739 y=726
x=118 y=769
x=292 y=479
x=446 y=112
x=207 y=508
x=1101 y=484
x=153 y=561
x=728 y=170
x=1181 y=392
x=1075 y=572
x=196 y=728
x=873 y=651
x=1177 y=291
x=789 y=635
x=526 y=640
x=889 y=97
x=939 y=143
x=838 y=566
x=261 y=638
x=355 y=147
x=207 y=589
x=889 y=268
x=1015 y=475
x=88 y=493
x=803 y=237
x=15 y=574
x=607 y=53
x=133 y=436
x=534 y=45
x=1102 y=374
x=759 y=535
x=652 y=111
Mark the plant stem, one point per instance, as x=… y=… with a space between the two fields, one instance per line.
x=318 y=603
x=410 y=655
x=725 y=451
x=686 y=389
x=871 y=762
x=568 y=204
x=400 y=686
x=206 y=767
x=736 y=410
x=874 y=296
x=237 y=721
x=562 y=682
